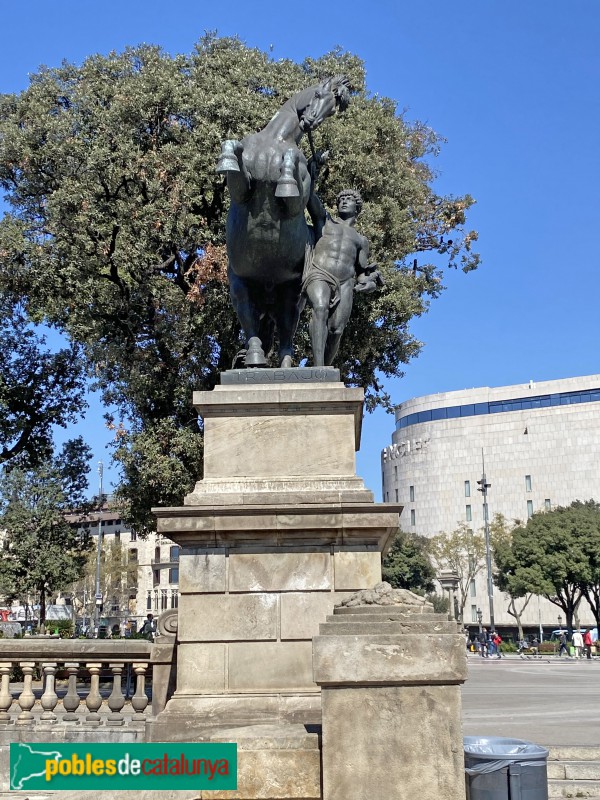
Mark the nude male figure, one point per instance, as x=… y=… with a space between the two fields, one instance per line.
x=338 y=268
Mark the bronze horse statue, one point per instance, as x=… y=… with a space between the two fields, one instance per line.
x=270 y=183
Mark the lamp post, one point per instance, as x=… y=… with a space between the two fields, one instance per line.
x=483 y=487
x=559 y=622
x=99 y=551
x=479 y=618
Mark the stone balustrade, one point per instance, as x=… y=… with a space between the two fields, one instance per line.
x=49 y=684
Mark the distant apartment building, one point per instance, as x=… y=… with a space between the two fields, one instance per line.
x=149 y=581
x=541 y=446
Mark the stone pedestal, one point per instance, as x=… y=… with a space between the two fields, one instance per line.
x=390 y=687
x=277 y=532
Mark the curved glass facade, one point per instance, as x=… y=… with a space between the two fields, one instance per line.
x=500 y=406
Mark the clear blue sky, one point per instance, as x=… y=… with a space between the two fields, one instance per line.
x=514 y=87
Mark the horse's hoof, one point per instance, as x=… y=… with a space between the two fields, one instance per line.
x=287 y=187
x=228 y=160
x=255 y=355
x=286 y=362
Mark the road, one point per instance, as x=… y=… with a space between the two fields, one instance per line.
x=547 y=701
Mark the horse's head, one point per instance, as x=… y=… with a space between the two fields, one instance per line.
x=323 y=101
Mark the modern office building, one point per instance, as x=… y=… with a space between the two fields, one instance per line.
x=541 y=447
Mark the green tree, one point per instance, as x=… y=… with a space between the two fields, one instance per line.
x=504 y=576
x=41 y=552
x=117 y=224
x=553 y=555
x=407 y=564
x=38 y=388
x=461 y=551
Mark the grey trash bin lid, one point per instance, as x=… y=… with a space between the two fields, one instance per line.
x=493 y=748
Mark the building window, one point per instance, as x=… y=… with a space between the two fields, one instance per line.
x=174 y=575
x=387 y=497
x=413 y=519
x=117 y=536
x=474 y=613
x=133 y=536
x=174 y=553
x=411 y=493
x=157 y=555
x=174 y=598
x=529 y=508
x=547 y=504
x=156 y=599
x=156 y=577
x=163 y=600
x=133 y=554
x=527 y=483
x=149 y=601
x=397 y=495
x=473 y=589
x=396 y=473
x=467 y=488
x=468 y=513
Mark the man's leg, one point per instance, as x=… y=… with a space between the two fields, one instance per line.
x=338 y=321
x=319 y=295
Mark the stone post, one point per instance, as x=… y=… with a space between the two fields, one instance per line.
x=390 y=679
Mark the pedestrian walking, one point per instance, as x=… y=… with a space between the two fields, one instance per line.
x=497 y=640
x=587 y=643
x=483 y=643
x=578 y=644
x=562 y=640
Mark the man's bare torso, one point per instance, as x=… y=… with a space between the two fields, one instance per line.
x=338 y=249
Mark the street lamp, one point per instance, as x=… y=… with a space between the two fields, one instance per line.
x=99 y=551
x=479 y=618
x=483 y=487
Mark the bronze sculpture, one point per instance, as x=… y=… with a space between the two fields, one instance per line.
x=270 y=184
x=338 y=267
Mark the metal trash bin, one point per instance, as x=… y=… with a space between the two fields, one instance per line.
x=497 y=768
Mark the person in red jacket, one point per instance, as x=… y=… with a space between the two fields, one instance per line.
x=587 y=643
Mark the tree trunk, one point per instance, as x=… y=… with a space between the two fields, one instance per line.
x=42 y=618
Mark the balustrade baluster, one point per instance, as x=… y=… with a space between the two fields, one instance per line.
x=71 y=699
x=139 y=701
x=116 y=701
x=5 y=695
x=49 y=699
x=94 y=699
x=26 y=699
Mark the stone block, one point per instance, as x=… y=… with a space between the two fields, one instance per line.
x=272 y=445
x=201 y=668
x=301 y=613
x=281 y=572
x=276 y=666
x=274 y=761
x=222 y=618
x=392 y=743
x=372 y=660
x=355 y=570
x=202 y=570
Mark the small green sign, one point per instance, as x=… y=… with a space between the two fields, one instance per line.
x=169 y=766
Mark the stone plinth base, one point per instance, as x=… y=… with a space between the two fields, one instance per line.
x=391 y=704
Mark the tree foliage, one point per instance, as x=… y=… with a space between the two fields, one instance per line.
x=557 y=554
x=41 y=552
x=505 y=565
x=116 y=229
x=407 y=564
x=461 y=551
x=38 y=389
